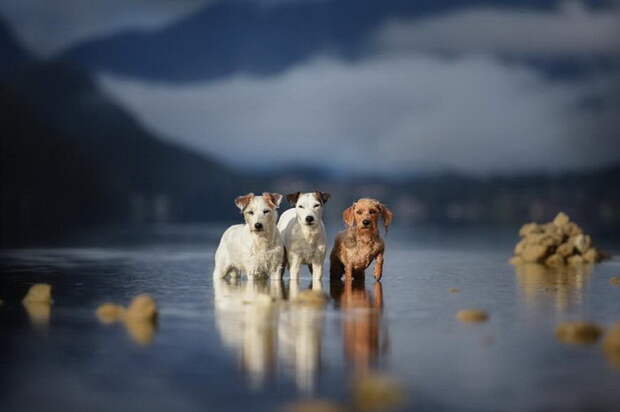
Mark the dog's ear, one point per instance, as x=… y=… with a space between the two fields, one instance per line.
x=387 y=215
x=292 y=198
x=243 y=201
x=274 y=199
x=347 y=215
x=322 y=197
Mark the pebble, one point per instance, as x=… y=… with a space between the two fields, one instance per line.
x=472 y=315
x=578 y=332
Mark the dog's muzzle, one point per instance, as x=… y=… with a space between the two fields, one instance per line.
x=258 y=226
x=366 y=222
x=309 y=220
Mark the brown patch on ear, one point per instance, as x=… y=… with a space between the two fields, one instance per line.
x=273 y=199
x=322 y=197
x=292 y=198
x=347 y=215
x=387 y=215
x=242 y=201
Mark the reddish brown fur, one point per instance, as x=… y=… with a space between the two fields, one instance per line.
x=273 y=199
x=242 y=201
x=357 y=246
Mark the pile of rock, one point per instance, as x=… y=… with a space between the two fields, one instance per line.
x=557 y=243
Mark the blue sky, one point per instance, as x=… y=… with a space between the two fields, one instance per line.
x=464 y=88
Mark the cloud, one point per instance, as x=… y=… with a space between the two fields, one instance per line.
x=388 y=115
x=46 y=27
x=571 y=30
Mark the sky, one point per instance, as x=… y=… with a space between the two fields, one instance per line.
x=454 y=90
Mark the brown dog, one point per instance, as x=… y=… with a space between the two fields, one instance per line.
x=356 y=247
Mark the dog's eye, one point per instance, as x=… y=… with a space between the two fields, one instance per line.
x=372 y=211
x=250 y=212
x=266 y=211
x=300 y=206
x=317 y=205
x=359 y=212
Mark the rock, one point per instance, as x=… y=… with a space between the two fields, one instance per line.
x=571 y=229
x=375 y=392
x=534 y=253
x=141 y=332
x=472 y=315
x=142 y=307
x=578 y=332
x=38 y=312
x=575 y=260
x=520 y=246
x=614 y=281
x=555 y=260
x=516 y=260
x=39 y=293
x=582 y=242
x=310 y=298
x=314 y=405
x=1 y=302
x=454 y=290
x=110 y=313
x=561 y=219
x=591 y=255
x=565 y=249
x=529 y=228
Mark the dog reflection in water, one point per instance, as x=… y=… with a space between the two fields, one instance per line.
x=362 y=331
x=260 y=322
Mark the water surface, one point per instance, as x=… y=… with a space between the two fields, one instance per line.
x=235 y=345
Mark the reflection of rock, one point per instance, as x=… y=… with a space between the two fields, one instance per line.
x=39 y=312
x=375 y=392
x=256 y=321
x=362 y=320
x=578 y=332
x=561 y=285
x=38 y=302
x=140 y=318
x=611 y=345
x=471 y=315
x=614 y=281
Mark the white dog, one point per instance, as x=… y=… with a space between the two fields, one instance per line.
x=303 y=232
x=254 y=248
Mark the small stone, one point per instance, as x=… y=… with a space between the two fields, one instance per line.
x=516 y=260
x=377 y=393
x=39 y=293
x=615 y=281
x=313 y=405
x=534 y=253
x=578 y=332
x=575 y=260
x=110 y=313
x=529 y=228
x=38 y=312
x=472 y=315
x=591 y=255
x=561 y=219
x=310 y=298
x=141 y=332
x=142 y=307
x=454 y=290
x=555 y=260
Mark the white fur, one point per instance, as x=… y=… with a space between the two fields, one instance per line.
x=305 y=243
x=243 y=249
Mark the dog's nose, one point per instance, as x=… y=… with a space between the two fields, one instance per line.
x=258 y=226
x=309 y=219
x=366 y=222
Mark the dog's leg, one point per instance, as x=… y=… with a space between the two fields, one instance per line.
x=379 y=266
x=317 y=284
x=348 y=272
x=336 y=268
x=316 y=270
x=295 y=266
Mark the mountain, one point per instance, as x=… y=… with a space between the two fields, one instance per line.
x=12 y=56
x=71 y=157
x=231 y=37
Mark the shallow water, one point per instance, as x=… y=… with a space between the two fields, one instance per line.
x=239 y=345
